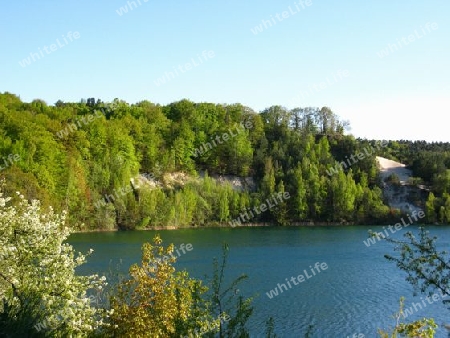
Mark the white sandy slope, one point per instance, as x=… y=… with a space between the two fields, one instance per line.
x=397 y=196
x=388 y=167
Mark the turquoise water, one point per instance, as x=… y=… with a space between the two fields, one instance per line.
x=357 y=293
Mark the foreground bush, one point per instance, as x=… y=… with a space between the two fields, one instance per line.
x=422 y=328
x=40 y=293
x=156 y=301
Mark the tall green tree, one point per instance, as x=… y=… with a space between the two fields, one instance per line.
x=430 y=208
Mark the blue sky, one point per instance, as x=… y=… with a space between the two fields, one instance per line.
x=402 y=95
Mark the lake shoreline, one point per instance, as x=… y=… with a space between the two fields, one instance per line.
x=247 y=225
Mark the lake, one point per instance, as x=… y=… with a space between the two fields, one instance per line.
x=357 y=293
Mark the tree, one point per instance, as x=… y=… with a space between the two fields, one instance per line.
x=222 y=301
x=316 y=191
x=430 y=208
x=268 y=181
x=299 y=200
x=156 y=301
x=90 y=102
x=342 y=195
x=39 y=290
x=428 y=269
x=240 y=153
x=224 y=210
x=422 y=328
x=446 y=199
x=280 y=211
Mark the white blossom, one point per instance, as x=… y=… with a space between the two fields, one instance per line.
x=35 y=260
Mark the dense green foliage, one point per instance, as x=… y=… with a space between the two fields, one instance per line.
x=81 y=157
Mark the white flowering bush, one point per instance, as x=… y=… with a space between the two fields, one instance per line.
x=40 y=294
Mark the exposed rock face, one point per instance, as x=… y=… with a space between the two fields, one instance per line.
x=147 y=180
x=401 y=194
x=238 y=183
x=171 y=180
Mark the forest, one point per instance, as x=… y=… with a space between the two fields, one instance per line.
x=87 y=159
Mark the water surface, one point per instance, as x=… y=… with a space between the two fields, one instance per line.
x=357 y=293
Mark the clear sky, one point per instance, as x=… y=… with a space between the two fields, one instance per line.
x=317 y=53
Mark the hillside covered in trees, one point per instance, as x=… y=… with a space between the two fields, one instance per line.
x=84 y=157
